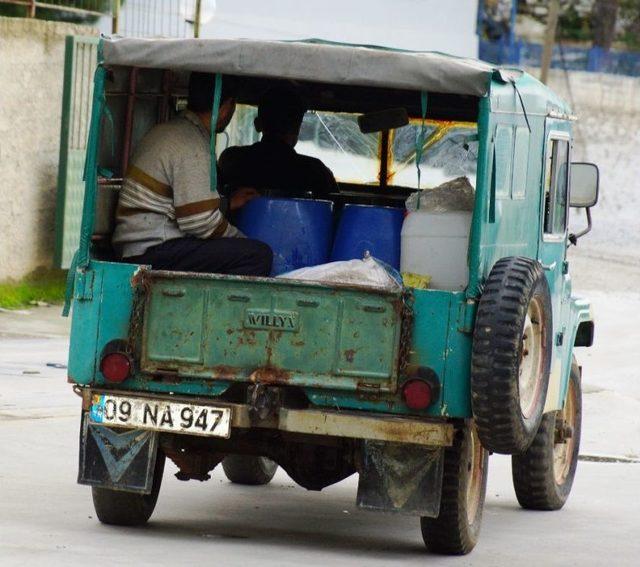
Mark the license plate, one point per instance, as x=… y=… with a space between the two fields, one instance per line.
x=160 y=415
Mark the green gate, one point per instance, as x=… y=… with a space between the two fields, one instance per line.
x=79 y=66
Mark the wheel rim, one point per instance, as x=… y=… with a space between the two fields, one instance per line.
x=267 y=465
x=531 y=358
x=475 y=474
x=563 y=450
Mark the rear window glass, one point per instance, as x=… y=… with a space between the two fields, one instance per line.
x=450 y=149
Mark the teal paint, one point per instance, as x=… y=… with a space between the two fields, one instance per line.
x=457 y=399
x=431 y=311
x=480 y=211
x=84 y=335
x=91 y=162
x=440 y=345
x=196 y=327
x=502 y=225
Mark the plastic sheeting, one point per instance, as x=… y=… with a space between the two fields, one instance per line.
x=368 y=272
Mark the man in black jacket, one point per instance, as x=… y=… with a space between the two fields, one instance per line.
x=272 y=166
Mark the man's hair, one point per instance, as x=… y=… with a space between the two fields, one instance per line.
x=201 y=86
x=281 y=109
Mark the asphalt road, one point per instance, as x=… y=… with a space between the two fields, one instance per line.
x=47 y=519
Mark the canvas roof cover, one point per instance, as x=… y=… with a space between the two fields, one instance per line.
x=308 y=61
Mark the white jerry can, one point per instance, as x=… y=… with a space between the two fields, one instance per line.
x=435 y=245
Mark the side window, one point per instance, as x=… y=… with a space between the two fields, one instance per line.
x=511 y=161
x=504 y=158
x=520 y=163
x=555 y=187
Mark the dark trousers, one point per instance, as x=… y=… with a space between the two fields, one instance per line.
x=237 y=256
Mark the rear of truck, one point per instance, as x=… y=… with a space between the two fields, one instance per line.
x=322 y=379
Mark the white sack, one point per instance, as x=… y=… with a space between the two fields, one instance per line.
x=367 y=272
x=455 y=195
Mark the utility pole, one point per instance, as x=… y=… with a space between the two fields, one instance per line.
x=115 y=16
x=196 y=19
x=549 y=40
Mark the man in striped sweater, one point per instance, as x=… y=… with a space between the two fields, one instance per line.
x=167 y=216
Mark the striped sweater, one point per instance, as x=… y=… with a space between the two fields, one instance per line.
x=165 y=193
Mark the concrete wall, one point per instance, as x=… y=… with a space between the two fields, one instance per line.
x=31 y=75
x=608 y=133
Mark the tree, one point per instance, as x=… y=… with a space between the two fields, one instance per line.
x=630 y=18
x=604 y=16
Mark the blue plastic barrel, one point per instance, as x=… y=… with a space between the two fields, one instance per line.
x=298 y=230
x=367 y=227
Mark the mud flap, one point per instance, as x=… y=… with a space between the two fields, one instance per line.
x=401 y=477
x=119 y=459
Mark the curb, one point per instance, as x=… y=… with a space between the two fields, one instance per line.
x=608 y=459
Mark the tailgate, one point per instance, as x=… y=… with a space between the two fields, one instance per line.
x=270 y=330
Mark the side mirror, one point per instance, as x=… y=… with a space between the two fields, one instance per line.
x=585 y=180
x=383 y=120
x=584 y=186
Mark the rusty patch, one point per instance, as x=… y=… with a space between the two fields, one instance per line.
x=350 y=354
x=247 y=339
x=139 y=279
x=193 y=464
x=223 y=371
x=360 y=426
x=270 y=375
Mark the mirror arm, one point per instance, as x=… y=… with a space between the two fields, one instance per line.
x=573 y=238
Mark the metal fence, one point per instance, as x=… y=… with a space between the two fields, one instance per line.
x=132 y=18
x=594 y=59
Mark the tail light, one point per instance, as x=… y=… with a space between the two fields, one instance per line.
x=417 y=394
x=116 y=366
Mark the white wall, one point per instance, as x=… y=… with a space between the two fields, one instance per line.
x=31 y=76
x=423 y=25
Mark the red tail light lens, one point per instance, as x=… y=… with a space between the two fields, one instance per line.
x=417 y=394
x=116 y=367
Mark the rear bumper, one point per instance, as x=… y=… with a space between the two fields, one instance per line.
x=320 y=422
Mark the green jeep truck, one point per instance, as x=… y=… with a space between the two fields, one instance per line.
x=412 y=389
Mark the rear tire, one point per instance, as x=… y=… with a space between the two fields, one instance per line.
x=119 y=508
x=543 y=475
x=248 y=469
x=464 y=484
x=511 y=355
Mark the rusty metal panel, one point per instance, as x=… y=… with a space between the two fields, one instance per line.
x=331 y=423
x=270 y=330
x=359 y=426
